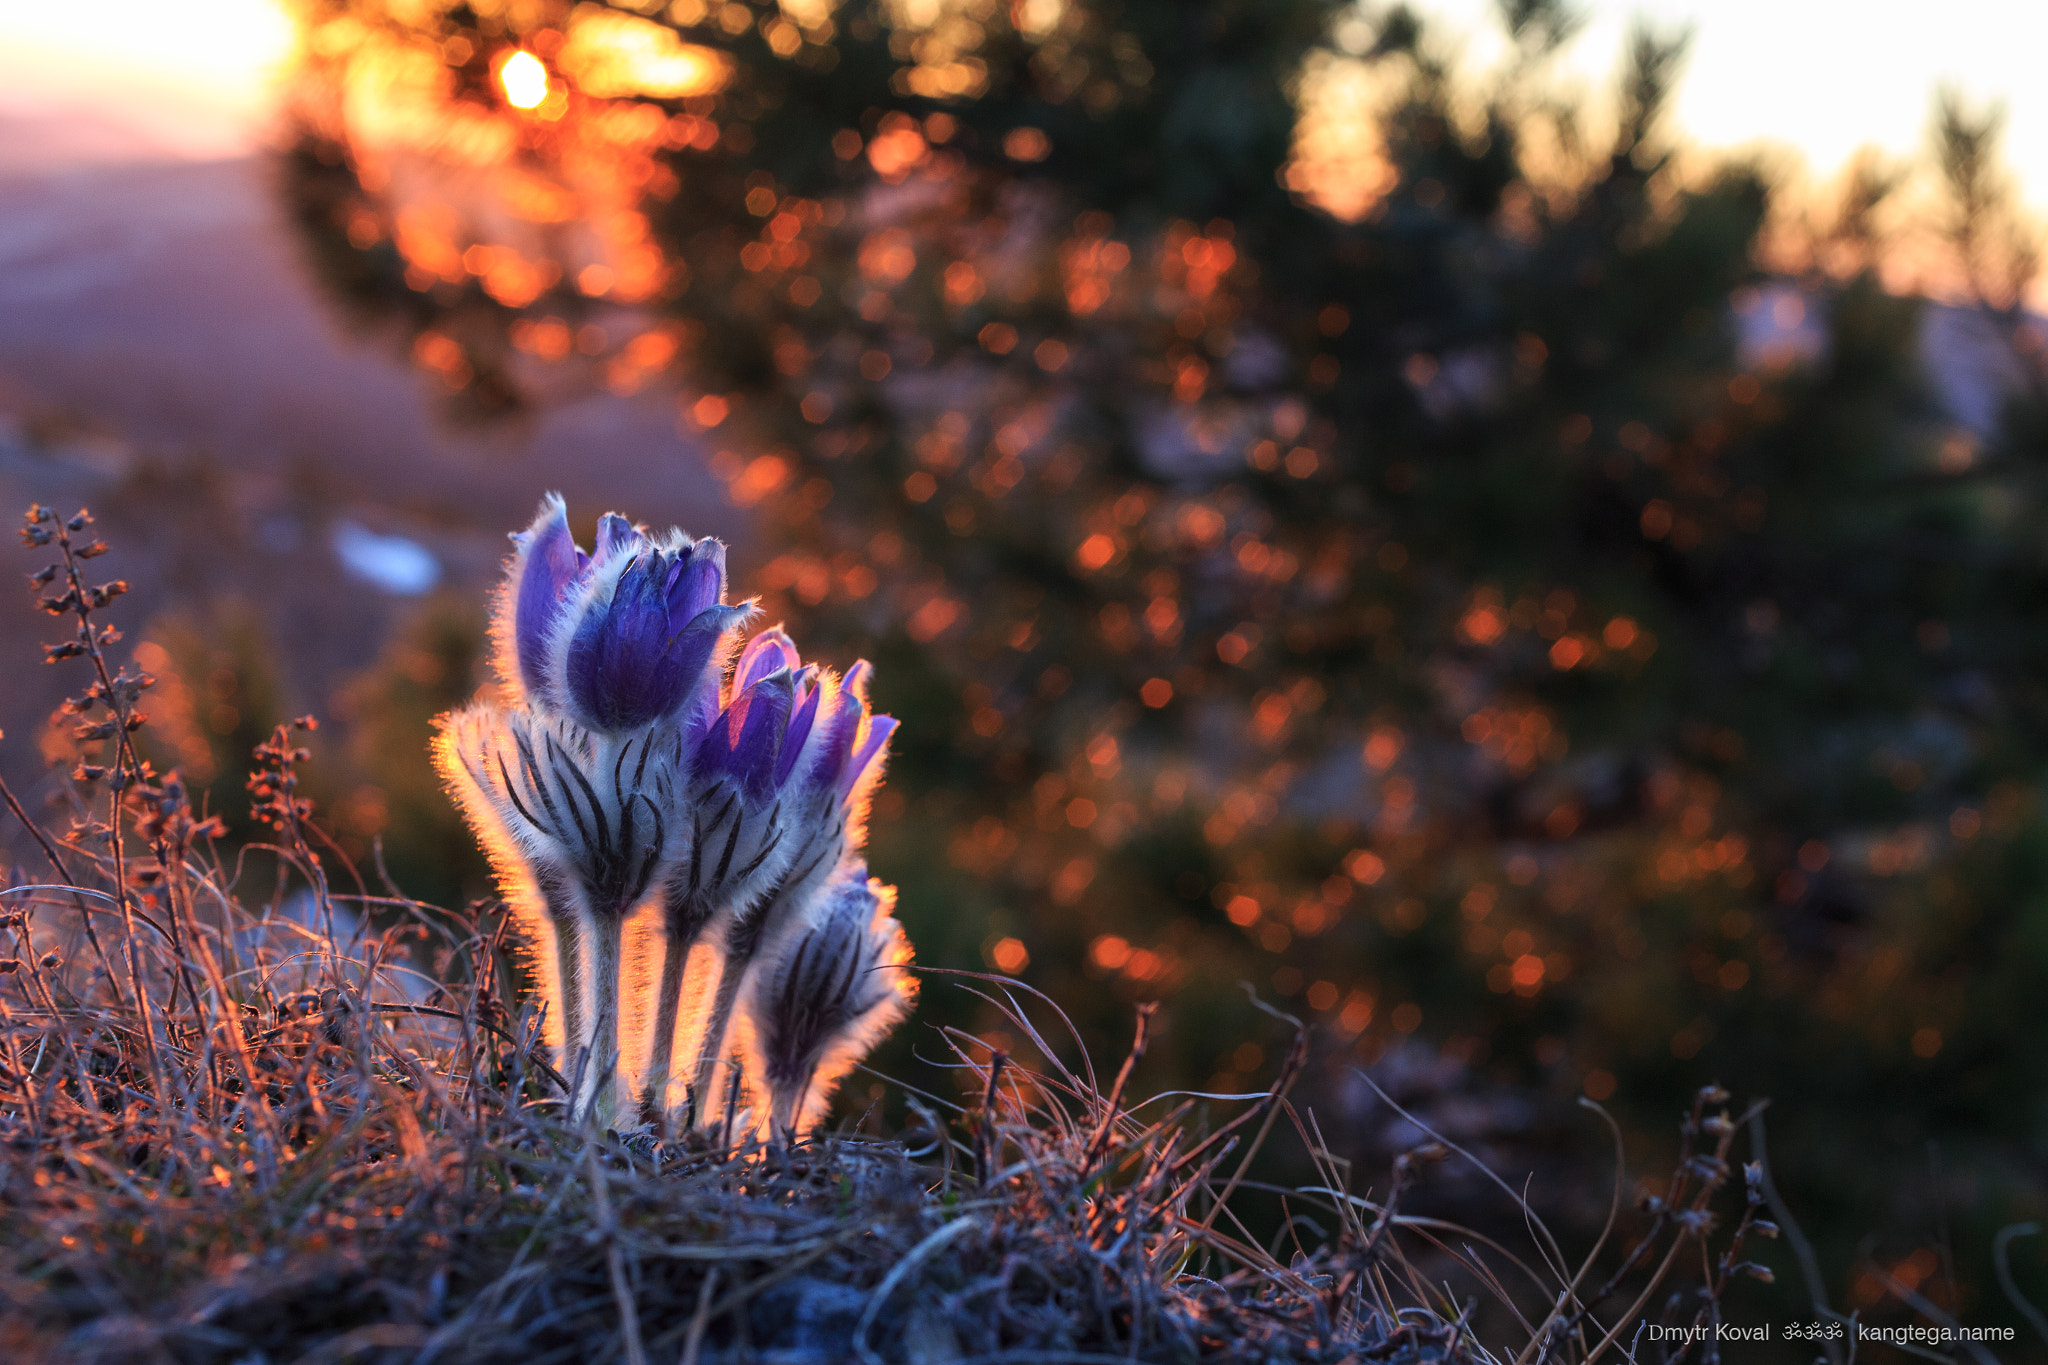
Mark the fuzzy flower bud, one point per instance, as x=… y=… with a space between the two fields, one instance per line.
x=629 y=637
x=778 y=797
x=822 y=1002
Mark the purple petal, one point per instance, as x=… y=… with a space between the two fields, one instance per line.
x=841 y=728
x=552 y=563
x=753 y=729
x=705 y=636
x=699 y=583
x=879 y=730
x=616 y=535
x=857 y=679
x=693 y=648
x=799 y=730
x=615 y=680
x=767 y=652
x=631 y=662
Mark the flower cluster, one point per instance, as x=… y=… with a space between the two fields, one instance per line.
x=644 y=795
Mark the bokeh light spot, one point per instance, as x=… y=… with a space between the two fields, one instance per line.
x=524 y=80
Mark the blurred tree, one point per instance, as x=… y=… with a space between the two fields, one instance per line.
x=394 y=819
x=1323 y=517
x=216 y=700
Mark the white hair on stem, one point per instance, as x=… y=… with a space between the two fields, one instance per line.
x=575 y=823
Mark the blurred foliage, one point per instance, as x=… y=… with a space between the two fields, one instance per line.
x=216 y=699
x=1319 y=518
x=392 y=826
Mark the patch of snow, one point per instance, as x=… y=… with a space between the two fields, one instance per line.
x=401 y=567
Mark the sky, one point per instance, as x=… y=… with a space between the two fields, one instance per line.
x=1819 y=77
x=1824 y=78
x=187 y=79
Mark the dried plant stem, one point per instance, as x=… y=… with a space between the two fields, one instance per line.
x=227 y=1018
x=615 y=1260
x=64 y=876
x=2001 y=1264
x=1802 y=1250
x=923 y=1251
x=128 y=771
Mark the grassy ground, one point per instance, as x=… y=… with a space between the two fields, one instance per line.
x=248 y=1117
x=254 y=1166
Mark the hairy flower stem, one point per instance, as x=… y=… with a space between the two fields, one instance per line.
x=602 y=1070
x=685 y=923
x=787 y=1106
x=743 y=941
x=661 y=1047
x=568 y=972
x=712 y=1051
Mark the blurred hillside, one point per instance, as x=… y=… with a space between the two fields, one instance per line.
x=164 y=357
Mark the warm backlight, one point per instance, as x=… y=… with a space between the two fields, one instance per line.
x=525 y=80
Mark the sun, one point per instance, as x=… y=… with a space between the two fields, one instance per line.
x=524 y=79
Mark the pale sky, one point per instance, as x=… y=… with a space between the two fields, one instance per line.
x=1822 y=77
x=192 y=78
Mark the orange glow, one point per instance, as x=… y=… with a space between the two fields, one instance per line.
x=1483 y=624
x=524 y=80
x=1027 y=144
x=1365 y=867
x=1383 y=747
x=1110 y=951
x=1096 y=551
x=1010 y=955
x=619 y=56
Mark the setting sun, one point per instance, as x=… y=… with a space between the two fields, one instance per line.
x=524 y=79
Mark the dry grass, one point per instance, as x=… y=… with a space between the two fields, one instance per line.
x=236 y=1125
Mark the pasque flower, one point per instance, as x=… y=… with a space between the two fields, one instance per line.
x=778 y=792
x=573 y=788
x=576 y=823
x=823 y=996
x=624 y=639
x=622 y=768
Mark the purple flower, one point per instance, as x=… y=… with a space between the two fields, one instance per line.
x=822 y=1001
x=769 y=740
x=576 y=823
x=621 y=640
x=645 y=650
x=546 y=566
x=777 y=798
x=620 y=767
